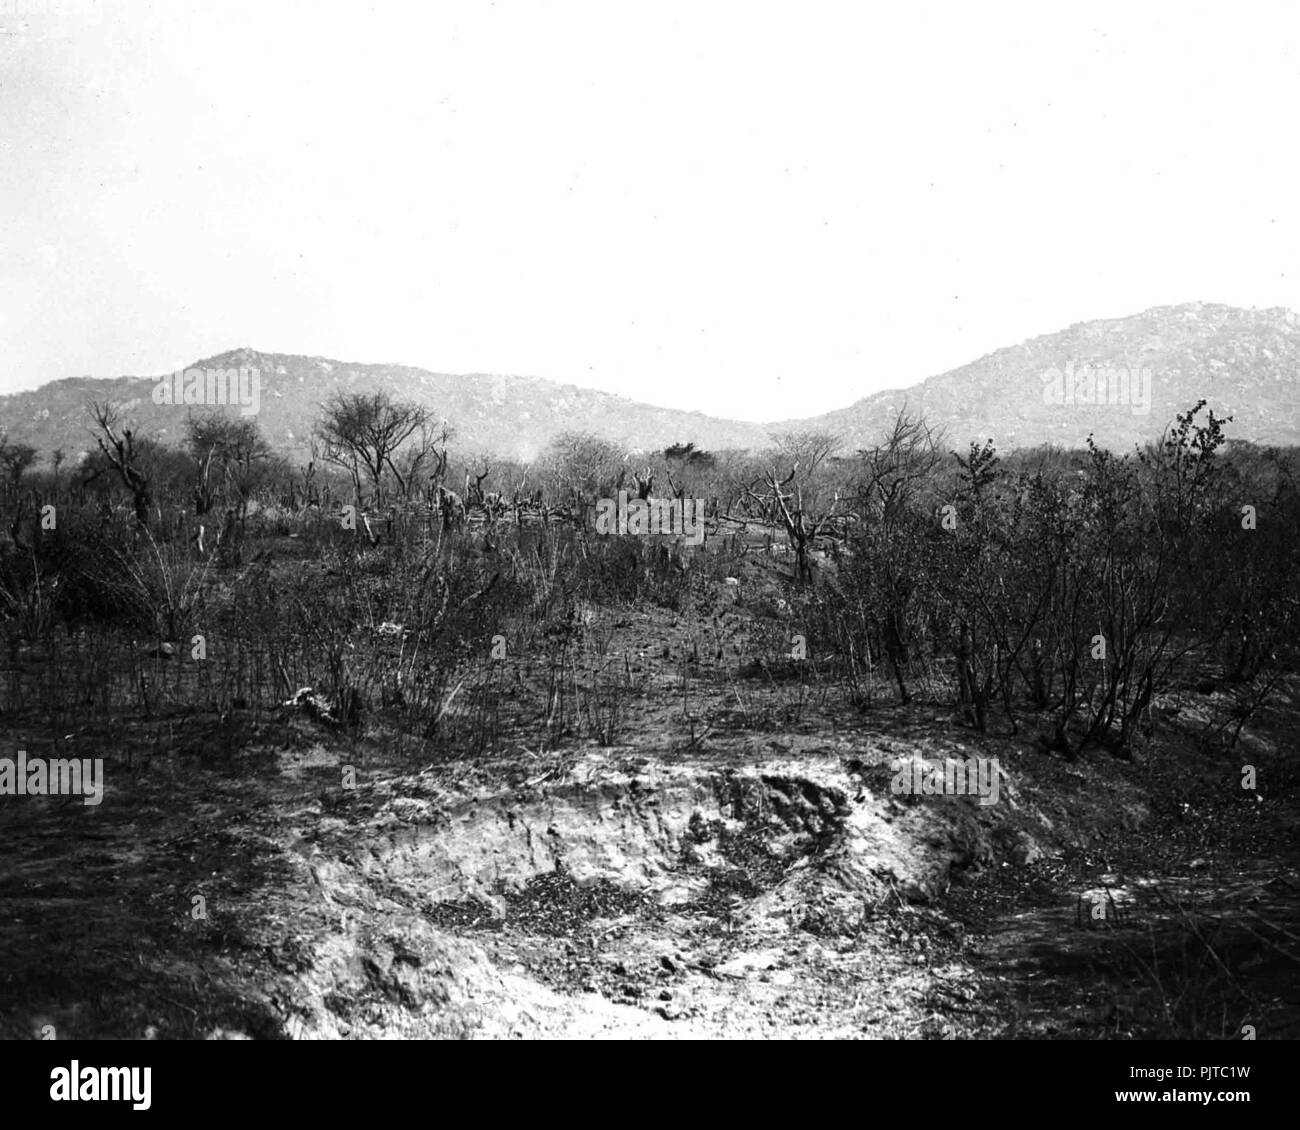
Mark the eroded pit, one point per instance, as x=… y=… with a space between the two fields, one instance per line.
x=684 y=893
x=734 y=894
x=673 y=837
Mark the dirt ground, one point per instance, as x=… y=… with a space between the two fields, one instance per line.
x=734 y=865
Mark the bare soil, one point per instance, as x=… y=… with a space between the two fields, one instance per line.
x=733 y=865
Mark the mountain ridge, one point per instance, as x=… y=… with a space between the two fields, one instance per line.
x=1244 y=362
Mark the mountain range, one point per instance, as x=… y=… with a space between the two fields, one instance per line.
x=1244 y=363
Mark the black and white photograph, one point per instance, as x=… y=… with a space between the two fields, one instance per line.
x=675 y=522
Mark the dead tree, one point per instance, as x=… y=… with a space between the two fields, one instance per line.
x=774 y=502
x=474 y=492
x=406 y=469
x=451 y=508
x=893 y=471
x=123 y=455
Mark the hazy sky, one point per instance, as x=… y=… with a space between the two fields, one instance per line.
x=755 y=210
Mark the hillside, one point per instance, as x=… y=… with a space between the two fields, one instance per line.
x=1244 y=362
x=502 y=414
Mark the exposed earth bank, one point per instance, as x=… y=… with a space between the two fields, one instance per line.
x=774 y=886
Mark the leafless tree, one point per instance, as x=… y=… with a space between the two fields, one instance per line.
x=809 y=449
x=582 y=467
x=123 y=455
x=451 y=507
x=891 y=471
x=423 y=449
x=366 y=430
x=781 y=501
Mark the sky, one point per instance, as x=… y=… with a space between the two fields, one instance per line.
x=755 y=210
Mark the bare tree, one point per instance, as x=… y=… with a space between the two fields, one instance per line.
x=891 y=471
x=583 y=467
x=474 y=491
x=365 y=430
x=891 y=546
x=423 y=450
x=781 y=501
x=123 y=455
x=645 y=481
x=451 y=507
x=809 y=449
